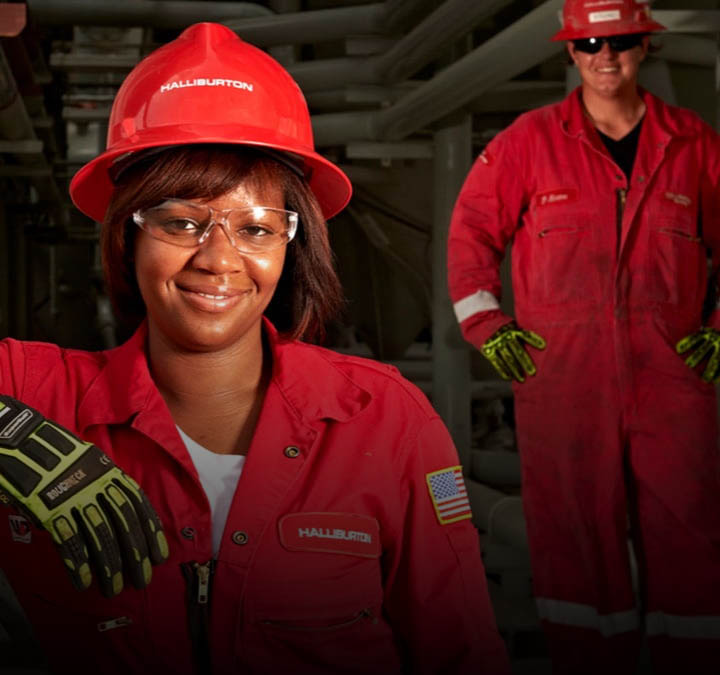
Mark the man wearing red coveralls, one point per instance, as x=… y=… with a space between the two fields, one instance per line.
x=611 y=200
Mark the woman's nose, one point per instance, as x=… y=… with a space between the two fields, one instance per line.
x=216 y=254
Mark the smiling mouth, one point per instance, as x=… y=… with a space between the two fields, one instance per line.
x=211 y=302
x=212 y=297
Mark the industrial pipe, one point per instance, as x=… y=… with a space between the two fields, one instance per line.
x=498 y=514
x=497 y=60
x=311 y=26
x=448 y=23
x=157 y=13
x=689 y=20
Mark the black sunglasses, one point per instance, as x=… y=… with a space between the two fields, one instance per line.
x=618 y=43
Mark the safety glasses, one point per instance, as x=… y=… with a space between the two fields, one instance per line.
x=618 y=43
x=255 y=229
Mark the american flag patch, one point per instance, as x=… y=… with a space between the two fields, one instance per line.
x=449 y=495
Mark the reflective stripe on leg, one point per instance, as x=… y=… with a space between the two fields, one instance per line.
x=676 y=626
x=587 y=616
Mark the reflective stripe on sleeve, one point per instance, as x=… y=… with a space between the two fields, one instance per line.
x=672 y=625
x=586 y=616
x=481 y=301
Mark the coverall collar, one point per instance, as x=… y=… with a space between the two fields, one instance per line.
x=667 y=122
x=310 y=383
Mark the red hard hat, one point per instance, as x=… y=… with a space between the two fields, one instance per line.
x=208 y=86
x=600 y=18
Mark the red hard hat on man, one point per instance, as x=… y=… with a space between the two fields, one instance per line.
x=600 y=18
x=208 y=86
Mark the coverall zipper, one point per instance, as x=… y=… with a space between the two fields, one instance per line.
x=621 y=198
x=198 y=580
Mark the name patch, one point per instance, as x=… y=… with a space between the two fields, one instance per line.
x=345 y=533
x=608 y=15
x=554 y=197
x=682 y=200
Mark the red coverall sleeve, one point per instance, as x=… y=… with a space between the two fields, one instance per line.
x=12 y=368
x=710 y=214
x=485 y=216
x=436 y=595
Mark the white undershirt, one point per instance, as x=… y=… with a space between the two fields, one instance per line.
x=219 y=475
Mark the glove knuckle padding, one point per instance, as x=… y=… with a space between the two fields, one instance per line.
x=75 y=491
x=505 y=347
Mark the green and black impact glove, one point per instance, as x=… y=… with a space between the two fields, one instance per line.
x=96 y=514
x=705 y=342
x=504 y=349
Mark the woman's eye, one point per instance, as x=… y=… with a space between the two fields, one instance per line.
x=255 y=231
x=180 y=225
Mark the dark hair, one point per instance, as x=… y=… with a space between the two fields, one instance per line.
x=308 y=294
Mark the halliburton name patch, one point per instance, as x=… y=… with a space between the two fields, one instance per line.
x=348 y=533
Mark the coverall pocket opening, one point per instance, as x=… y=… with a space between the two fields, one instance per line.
x=567 y=262
x=329 y=624
x=103 y=634
x=353 y=641
x=677 y=268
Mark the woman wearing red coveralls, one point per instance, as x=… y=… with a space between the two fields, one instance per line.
x=611 y=199
x=336 y=553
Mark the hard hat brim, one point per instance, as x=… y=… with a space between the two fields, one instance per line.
x=618 y=29
x=91 y=187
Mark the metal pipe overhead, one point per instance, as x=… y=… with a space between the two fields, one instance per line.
x=689 y=21
x=518 y=95
x=447 y=24
x=328 y=74
x=497 y=60
x=690 y=49
x=157 y=13
x=311 y=26
x=252 y=22
x=401 y=14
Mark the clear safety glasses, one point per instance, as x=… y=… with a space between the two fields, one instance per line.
x=618 y=43
x=255 y=229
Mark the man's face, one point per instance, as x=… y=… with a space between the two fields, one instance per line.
x=610 y=72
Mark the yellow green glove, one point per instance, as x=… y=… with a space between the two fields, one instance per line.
x=504 y=349
x=95 y=513
x=705 y=341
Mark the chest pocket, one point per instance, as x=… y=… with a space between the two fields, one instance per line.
x=328 y=570
x=568 y=265
x=315 y=604
x=676 y=264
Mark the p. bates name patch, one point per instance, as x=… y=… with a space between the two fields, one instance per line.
x=556 y=197
x=347 y=533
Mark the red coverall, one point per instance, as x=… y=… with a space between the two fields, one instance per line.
x=344 y=445
x=612 y=273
